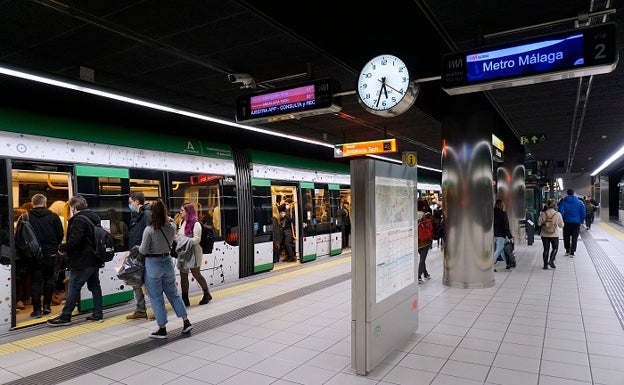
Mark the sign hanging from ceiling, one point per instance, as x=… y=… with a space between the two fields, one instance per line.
x=365 y=148
x=564 y=55
x=294 y=102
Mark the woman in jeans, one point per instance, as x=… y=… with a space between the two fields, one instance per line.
x=159 y=272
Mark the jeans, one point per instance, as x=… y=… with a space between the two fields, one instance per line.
x=499 y=247
x=140 y=298
x=77 y=278
x=160 y=279
x=570 y=236
x=42 y=275
x=422 y=266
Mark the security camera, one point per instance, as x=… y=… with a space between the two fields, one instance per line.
x=245 y=79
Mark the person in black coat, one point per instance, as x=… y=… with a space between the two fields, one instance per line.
x=49 y=230
x=82 y=263
x=501 y=229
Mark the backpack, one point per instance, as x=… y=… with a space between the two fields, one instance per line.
x=425 y=230
x=26 y=241
x=104 y=242
x=549 y=226
x=207 y=239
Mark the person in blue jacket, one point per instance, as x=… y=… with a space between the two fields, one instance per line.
x=572 y=210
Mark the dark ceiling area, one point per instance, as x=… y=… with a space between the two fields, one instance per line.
x=180 y=53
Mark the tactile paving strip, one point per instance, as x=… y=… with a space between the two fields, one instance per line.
x=80 y=367
x=612 y=279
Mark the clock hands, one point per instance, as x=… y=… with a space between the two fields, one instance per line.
x=383 y=88
x=384 y=85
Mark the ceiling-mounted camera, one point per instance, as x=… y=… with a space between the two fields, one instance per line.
x=245 y=79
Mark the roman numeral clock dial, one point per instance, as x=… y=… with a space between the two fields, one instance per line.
x=384 y=87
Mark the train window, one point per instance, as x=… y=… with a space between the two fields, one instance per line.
x=204 y=192
x=229 y=212
x=262 y=213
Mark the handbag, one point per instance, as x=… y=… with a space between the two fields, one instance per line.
x=132 y=269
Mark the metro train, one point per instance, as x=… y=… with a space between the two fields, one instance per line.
x=239 y=189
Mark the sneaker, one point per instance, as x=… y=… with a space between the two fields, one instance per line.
x=187 y=327
x=567 y=253
x=36 y=314
x=507 y=267
x=94 y=318
x=427 y=277
x=420 y=280
x=137 y=315
x=571 y=255
x=46 y=309
x=59 y=321
x=160 y=333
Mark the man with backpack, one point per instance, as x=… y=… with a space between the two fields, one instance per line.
x=48 y=228
x=82 y=263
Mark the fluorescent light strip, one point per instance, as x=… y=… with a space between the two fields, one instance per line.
x=607 y=162
x=161 y=107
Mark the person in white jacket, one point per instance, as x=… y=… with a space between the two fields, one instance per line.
x=550 y=221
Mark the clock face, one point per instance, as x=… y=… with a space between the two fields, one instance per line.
x=384 y=86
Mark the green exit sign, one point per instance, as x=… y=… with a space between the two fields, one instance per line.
x=532 y=139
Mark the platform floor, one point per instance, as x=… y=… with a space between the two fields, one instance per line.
x=560 y=326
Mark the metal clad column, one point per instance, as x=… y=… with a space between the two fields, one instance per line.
x=467 y=189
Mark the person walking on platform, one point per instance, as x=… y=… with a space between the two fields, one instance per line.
x=191 y=228
x=572 y=210
x=550 y=221
x=425 y=239
x=501 y=230
x=141 y=216
x=590 y=210
x=159 y=273
x=82 y=263
x=49 y=230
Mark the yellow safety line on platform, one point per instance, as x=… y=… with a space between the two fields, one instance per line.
x=65 y=332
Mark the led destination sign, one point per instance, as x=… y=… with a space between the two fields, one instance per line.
x=312 y=98
x=570 y=54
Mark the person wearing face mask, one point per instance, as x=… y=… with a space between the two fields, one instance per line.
x=141 y=217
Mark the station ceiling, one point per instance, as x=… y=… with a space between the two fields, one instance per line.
x=180 y=53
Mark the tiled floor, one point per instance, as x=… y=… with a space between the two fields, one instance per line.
x=546 y=327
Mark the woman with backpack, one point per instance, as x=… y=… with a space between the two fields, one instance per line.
x=550 y=221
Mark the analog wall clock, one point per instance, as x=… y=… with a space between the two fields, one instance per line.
x=384 y=87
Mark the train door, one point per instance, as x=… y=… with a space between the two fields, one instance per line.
x=7 y=263
x=335 y=209
x=263 y=222
x=284 y=197
x=53 y=181
x=318 y=223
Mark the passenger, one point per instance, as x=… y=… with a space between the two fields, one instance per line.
x=60 y=208
x=590 y=210
x=287 y=229
x=159 y=273
x=191 y=227
x=141 y=217
x=573 y=212
x=83 y=264
x=550 y=234
x=49 y=230
x=346 y=224
x=425 y=227
x=501 y=230
x=277 y=238
x=23 y=285
x=118 y=230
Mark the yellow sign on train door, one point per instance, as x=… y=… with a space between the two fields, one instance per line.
x=409 y=159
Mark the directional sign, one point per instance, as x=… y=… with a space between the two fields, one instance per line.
x=532 y=139
x=365 y=148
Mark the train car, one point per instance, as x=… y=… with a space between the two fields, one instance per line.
x=238 y=192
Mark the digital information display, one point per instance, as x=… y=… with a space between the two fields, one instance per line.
x=564 y=55
x=308 y=99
